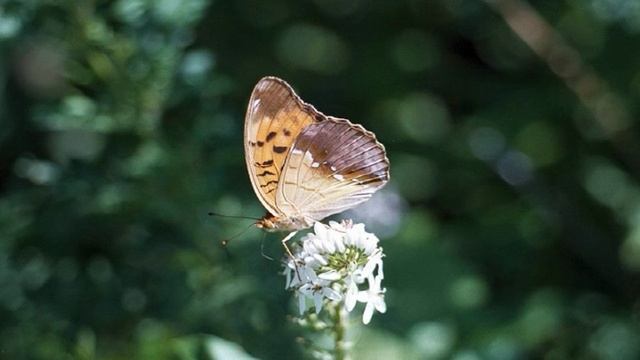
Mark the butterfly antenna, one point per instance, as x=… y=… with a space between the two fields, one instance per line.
x=211 y=213
x=264 y=235
x=225 y=242
x=226 y=251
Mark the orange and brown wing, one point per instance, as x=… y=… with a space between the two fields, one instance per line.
x=275 y=117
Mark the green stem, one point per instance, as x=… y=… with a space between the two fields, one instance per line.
x=340 y=333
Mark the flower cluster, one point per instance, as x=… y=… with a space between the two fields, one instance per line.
x=333 y=263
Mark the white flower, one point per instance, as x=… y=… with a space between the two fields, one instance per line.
x=332 y=262
x=374 y=298
x=375 y=261
x=351 y=295
x=316 y=288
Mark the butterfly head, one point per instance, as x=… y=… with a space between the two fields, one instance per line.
x=273 y=223
x=268 y=223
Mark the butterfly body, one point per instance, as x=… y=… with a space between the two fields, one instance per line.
x=273 y=223
x=304 y=165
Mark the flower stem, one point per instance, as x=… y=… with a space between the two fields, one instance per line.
x=340 y=333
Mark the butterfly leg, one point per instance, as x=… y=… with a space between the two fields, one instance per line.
x=264 y=234
x=284 y=243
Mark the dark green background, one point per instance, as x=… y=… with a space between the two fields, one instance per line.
x=511 y=223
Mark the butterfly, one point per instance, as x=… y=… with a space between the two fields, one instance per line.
x=304 y=165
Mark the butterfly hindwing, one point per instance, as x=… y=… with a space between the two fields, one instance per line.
x=275 y=117
x=333 y=166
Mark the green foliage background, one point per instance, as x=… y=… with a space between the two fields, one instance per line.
x=511 y=223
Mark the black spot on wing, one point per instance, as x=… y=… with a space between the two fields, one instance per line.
x=269 y=183
x=279 y=149
x=265 y=163
x=265 y=173
x=270 y=136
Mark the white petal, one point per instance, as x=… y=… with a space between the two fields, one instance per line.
x=363 y=296
x=306 y=290
x=311 y=262
x=309 y=247
x=318 y=243
x=367 y=314
x=380 y=305
x=351 y=296
x=331 y=275
x=317 y=299
x=320 y=230
x=295 y=281
x=331 y=294
x=360 y=241
x=339 y=242
x=367 y=245
x=374 y=284
x=329 y=244
x=320 y=259
x=368 y=268
x=310 y=274
x=302 y=303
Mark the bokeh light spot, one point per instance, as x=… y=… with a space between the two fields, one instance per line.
x=419 y=228
x=177 y=12
x=433 y=339
x=424 y=118
x=515 y=168
x=35 y=272
x=195 y=65
x=99 y=269
x=312 y=48
x=66 y=145
x=502 y=348
x=541 y=317
x=40 y=68
x=469 y=292
x=134 y=300
x=37 y=171
x=615 y=341
x=486 y=143
x=606 y=183
x=9 y=26
x=130 y=11
x=414 y=51
x=540 y=142
x=383 y=213
x=415 y=176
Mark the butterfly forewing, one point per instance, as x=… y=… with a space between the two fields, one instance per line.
x=333 y=166
x=275 y=117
